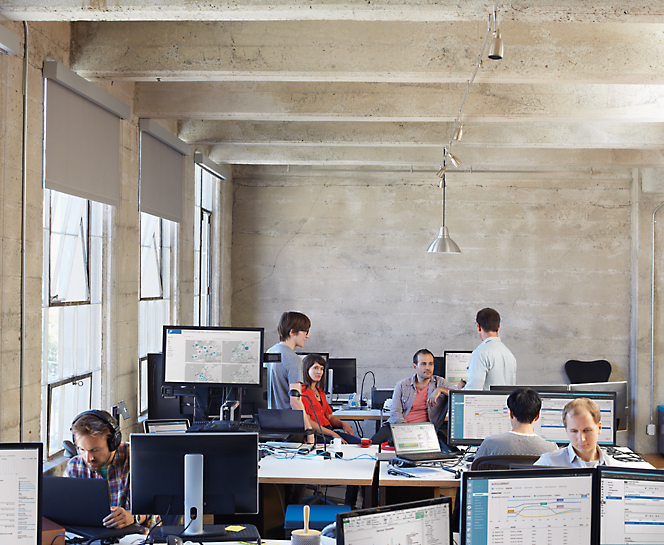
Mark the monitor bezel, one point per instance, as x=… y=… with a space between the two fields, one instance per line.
x=532 y=474
x=39 y=448
x=395 y=507
x=329 y=385
x=212 y=384
x=446 y=352
x=539 y=388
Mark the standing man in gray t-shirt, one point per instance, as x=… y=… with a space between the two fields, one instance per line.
x=286 y=375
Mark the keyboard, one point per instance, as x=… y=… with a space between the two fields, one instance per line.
x=221 y=426
x=428 y=456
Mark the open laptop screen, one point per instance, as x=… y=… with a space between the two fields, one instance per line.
x=631 y=505
x=20 y=493
x=166 y=426
x=532 y=506
x=421 y=522
x=415 y=437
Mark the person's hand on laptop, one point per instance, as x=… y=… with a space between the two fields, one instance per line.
x=119 y=518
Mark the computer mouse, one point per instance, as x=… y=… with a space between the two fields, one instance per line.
x=174 y=540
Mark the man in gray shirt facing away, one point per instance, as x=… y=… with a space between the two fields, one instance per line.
x=491 y=362
x=524 y=405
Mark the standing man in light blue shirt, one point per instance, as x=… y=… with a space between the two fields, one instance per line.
x=491 y=362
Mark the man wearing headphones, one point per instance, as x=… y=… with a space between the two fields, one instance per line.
x=103 y=455
x=418 y=398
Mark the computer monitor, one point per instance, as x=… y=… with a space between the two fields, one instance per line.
x=212 y=356
x=341 y=375
x=21 y=485
x=537 y=387
x=631 y=505
x=532 y=506
x=474 y=415
x=226 y=472
x=456 y=365
x=619 y=387
x=424 y=522
x=166 y=426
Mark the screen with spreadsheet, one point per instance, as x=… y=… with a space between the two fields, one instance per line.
x=474 y=415
x=631 y=505
x=20 y=497
x=424 y=522
x=533 y=506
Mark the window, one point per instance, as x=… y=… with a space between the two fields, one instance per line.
x=72 y=313
x=205 y=188
x=157 y=257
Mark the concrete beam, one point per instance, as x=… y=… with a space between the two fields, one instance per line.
x=542 y=134
x=397 y=102
x=359 y=51
x=324 y=10
x=430 y=157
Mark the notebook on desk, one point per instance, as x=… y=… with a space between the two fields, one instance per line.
x=418 y=442
x=80 y=505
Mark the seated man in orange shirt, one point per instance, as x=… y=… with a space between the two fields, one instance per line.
x=318 y=409
x=418 y=398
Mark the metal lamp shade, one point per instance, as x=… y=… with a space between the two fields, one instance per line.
x=443 y=244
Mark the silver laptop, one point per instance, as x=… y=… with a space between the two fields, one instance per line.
x=166 y=426
x=418 y=442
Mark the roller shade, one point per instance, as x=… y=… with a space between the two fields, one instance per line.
x=82 y=146
x=161 y=171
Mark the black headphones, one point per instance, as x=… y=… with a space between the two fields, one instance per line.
x=114 y=439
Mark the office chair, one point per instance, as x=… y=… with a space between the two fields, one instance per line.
x=501 y=462
x=587 y=371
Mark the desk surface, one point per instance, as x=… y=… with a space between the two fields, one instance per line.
x=311 y=469
x=359 y=414
x=423 y=476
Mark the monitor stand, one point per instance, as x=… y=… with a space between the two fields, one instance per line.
x=210 y=532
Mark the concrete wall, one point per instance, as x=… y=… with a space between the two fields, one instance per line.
x=551 y=252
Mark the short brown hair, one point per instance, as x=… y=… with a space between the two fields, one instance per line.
x=90 y=424
x=580 y=405
x=488 y=319
x=292 y=321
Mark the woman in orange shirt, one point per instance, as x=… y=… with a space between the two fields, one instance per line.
x=313 y=371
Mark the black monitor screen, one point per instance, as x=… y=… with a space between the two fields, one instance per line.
x=230 y=472
x=212 y=356
x=344 y=375
x=631 y=505
x=533 y=506
x=20 y=493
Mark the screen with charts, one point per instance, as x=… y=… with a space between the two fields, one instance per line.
x=631 y=506
x=547 y=507
x=209 y=356
x=474 y=415
x=415 y=437
x=456 y=365
x=417 y=523
x=20 y=500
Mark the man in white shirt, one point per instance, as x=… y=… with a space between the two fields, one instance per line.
x=524 y=405
x=491 y=362
x=582 y=421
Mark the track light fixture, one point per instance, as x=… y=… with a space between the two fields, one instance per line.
x=443 y=244
x=458 y=133
x=454 y=160
x=496 y=49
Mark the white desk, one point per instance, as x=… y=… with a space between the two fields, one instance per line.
x=311 y=469
x=358 y=414
x=431 y=477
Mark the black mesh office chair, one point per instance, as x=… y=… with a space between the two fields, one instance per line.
x=501 y=462
x=587 y=371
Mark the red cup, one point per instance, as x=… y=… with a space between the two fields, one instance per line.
x=365 y=443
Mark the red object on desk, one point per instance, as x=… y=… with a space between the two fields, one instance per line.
x=365 y=442
x=386 y=446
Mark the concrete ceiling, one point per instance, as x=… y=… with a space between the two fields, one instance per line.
x=379 y=83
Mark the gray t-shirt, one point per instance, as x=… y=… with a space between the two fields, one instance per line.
x=281 y=374
x=514 y=444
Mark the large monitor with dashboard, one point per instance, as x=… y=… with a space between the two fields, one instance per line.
x=631 y=505
x=619 y=387
x=212 y=356
x=474 y=415
x=167 y=470
x=21 y=485
x=529 y=506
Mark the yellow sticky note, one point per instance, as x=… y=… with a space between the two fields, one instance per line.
x=235 y=528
